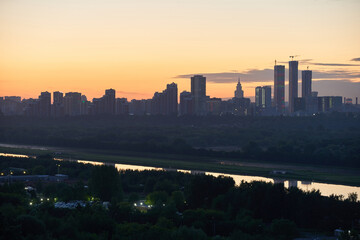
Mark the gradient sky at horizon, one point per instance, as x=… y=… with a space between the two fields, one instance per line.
x=137 y=47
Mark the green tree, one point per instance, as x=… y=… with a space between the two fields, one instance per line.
x=105 y=183
x=159 y=197
x=178 y=198
x=188 y=233
x=352 y=197
x=284 y=228
x=31 y=225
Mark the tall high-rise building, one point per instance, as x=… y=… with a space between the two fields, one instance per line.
x=239 y=93
x=122 y=106
x=263 y=97
x=258 y=98
x=171 y=99
x=266 y=95
x=31 y=107
x=186 y=103
x=11 y=105
x=58 y=104
x=329 y=103
x=72 y=104
x=293 y=83
x=157 y=104
x=166 y=102
x=279 y=88
x=138 y=107
x=306 y=83
x=109 y=101
x=213 y=106
x=97 y=106
x=85 y=105
x=198 y=90
x=45 y=104
x=58 y=97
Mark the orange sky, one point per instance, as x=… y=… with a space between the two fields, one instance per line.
x=137 y=47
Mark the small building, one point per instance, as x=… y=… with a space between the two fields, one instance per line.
x=33 y=178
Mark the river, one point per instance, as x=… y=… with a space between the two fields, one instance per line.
x=325 y=188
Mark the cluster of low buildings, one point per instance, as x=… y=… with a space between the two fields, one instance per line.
x=76 y=104
x=195 y=102
x=32 y=178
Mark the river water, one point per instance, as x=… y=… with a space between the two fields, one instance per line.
x=324 y=188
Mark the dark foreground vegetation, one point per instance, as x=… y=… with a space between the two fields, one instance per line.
x=323 y=139
x=181 y=206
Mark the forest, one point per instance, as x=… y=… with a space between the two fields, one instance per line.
x=181 y=206
x=331 y=140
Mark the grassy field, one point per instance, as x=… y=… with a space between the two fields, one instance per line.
x=294 y=171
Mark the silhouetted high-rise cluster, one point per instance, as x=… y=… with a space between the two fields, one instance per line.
x=308 y=104
x=195 y=102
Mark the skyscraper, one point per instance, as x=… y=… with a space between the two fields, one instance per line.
x=279 y=88
x=72 y=104
x=58 y=104
x=84 y=107
x=45 y=104
x=58 y=97
x=122 y=106
x=263 y=97
x=266 y=96
x=109 y=101
x=171 y=101
x=166 y=102
x=198 y=90
x=258 y=98
x=293 y=84
x=186 y=103
x=329 y=103
x=306 y=83
x=239 y=93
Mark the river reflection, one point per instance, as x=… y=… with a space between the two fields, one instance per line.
x=324 y=188
x=15 y=155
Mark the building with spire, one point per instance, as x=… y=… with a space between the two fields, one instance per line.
x=239 y=93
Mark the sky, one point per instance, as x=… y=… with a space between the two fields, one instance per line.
x=137 y=47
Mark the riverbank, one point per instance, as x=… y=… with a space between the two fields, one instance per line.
x=344 y=176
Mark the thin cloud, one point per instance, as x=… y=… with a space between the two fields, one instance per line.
x=345 y=88
x=254 y=75
x=310 y=62
x=267 y=75
x=335 y=64
x=339 y=74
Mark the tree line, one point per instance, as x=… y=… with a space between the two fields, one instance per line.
x=184 y=206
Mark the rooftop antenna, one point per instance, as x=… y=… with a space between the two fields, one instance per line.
x=275 y=62
x=307 y=67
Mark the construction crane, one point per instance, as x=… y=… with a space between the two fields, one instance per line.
x=292 y=57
